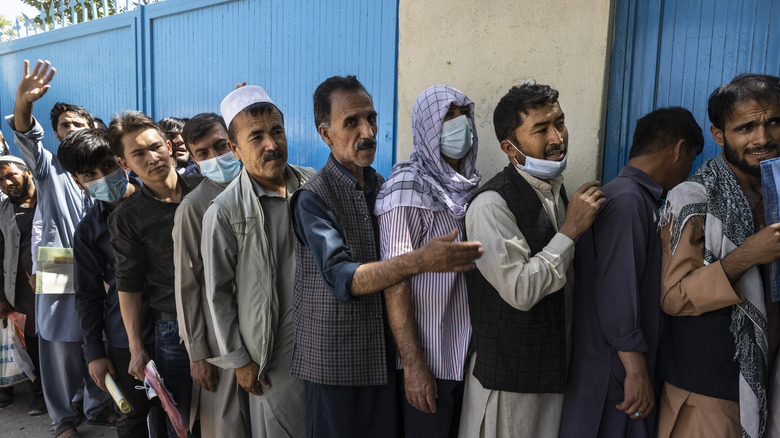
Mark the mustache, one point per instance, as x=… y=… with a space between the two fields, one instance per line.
x=555 y=150
x=272 y=155
x=365 y=143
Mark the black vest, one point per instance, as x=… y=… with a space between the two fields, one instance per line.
x=519 y=351
x=697 y=354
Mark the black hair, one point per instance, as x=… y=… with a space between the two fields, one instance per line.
x=171 y=127
x=508 y=115
x=83 y=150
x=663 y=127
x=254 y=110
x=197 y=127
x=129 y=122
x=60 y=108
x=746 y=87
x=326 y=88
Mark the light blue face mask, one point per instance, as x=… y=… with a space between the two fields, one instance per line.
x=457 y=136
x=221 y=169
x=110 y=188
x=542 y=169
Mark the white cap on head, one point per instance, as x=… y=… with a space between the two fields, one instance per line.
x=237 y=100
x=12 y=159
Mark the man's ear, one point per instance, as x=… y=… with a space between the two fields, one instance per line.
x=234 y=148
x=170 y=147
x=510 y=151
x=121 y=161
x=678 y=150
x=325 y=134
x=78 y=183
x=717 y=134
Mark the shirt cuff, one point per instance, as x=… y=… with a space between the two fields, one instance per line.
x=198 y=350
x=344 y=278
x=561 y=245
x=634 y=341
x=234 y=359
x=94 y=350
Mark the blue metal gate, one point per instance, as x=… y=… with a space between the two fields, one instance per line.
x=674 y=53
x=181 y=57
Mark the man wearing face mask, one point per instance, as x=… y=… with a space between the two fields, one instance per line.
x=424 y=198
x=215 y=399
x=87 y=157
x=520 y=292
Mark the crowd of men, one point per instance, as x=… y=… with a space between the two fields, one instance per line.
x=279 y=301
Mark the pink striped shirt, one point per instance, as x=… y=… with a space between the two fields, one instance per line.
x=439 y=300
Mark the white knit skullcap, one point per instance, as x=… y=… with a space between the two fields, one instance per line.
x=237 y=100
x=12 y=159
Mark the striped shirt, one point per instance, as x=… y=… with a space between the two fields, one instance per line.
x=439 y=300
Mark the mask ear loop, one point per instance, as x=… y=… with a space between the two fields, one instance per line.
x=517 y=163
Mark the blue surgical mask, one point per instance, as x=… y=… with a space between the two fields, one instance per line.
x=542 y=169
x=110 y=188
x=221 y=169
x=457 y=136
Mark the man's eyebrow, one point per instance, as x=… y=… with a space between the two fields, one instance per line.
x=749 y=124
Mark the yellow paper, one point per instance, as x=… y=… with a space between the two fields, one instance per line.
x=116 y=393
x=54 y=271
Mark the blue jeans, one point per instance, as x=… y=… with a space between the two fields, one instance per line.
x=173 y=363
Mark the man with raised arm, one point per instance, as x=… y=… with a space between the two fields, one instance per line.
x=62 y=204
x=343 y=352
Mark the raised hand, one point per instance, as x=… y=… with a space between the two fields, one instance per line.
x=34 y=85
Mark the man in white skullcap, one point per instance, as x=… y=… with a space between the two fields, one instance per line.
x=249 y=265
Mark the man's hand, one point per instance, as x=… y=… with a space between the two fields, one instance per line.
x=582 y=209
x=443 y=254
x=34 y=85
x=639 y=396
x=247 y=378
x=5 y=307
x=239 y=85
x=98 y=369
x=758 y=249
x=420 y=387
x=204 y=375
x=138 y=360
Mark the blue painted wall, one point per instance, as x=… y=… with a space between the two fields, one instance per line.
x=675 y=53
x=179 y=58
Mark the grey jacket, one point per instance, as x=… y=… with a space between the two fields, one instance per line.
x=240 y=274
x=11 y=236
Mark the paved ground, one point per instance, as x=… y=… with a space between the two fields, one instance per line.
x=15 y=423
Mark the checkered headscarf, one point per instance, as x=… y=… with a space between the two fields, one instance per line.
x=426 y=180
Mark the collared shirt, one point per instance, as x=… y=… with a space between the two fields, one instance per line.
x=97 y=301
x=61 y=204
x=439 y=299
x=318 y=229
x=140 y=231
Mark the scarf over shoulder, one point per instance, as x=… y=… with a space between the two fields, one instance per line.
x=426 y=180
x=714 y=194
